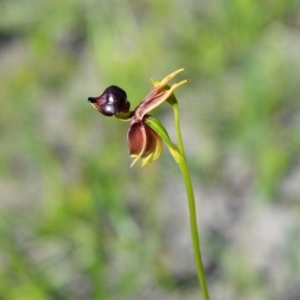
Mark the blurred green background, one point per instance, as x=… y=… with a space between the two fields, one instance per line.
x=76 y=222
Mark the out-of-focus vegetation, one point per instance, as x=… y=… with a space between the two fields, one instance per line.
x=75 y=221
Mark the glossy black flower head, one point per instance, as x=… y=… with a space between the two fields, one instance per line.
x=112 y=102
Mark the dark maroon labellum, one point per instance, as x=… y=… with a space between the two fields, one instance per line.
x=111 y=102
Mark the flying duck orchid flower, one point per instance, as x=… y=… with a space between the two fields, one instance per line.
x=145 y=140
x=146 y=134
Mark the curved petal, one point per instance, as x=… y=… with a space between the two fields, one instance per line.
x=158 y=95
x=155 y=154
x=143 y=142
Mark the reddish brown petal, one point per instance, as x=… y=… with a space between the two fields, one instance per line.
x=158 y=95
x=141 y=139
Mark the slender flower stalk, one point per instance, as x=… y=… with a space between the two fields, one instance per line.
x=145 y=140
x=192 y=206
x=183 y=166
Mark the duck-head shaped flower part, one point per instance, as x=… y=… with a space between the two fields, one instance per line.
x=112 y=101
x=145 y=135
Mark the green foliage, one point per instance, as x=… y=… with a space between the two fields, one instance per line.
x=75 y=221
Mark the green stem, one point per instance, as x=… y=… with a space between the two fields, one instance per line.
x=192 y=206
